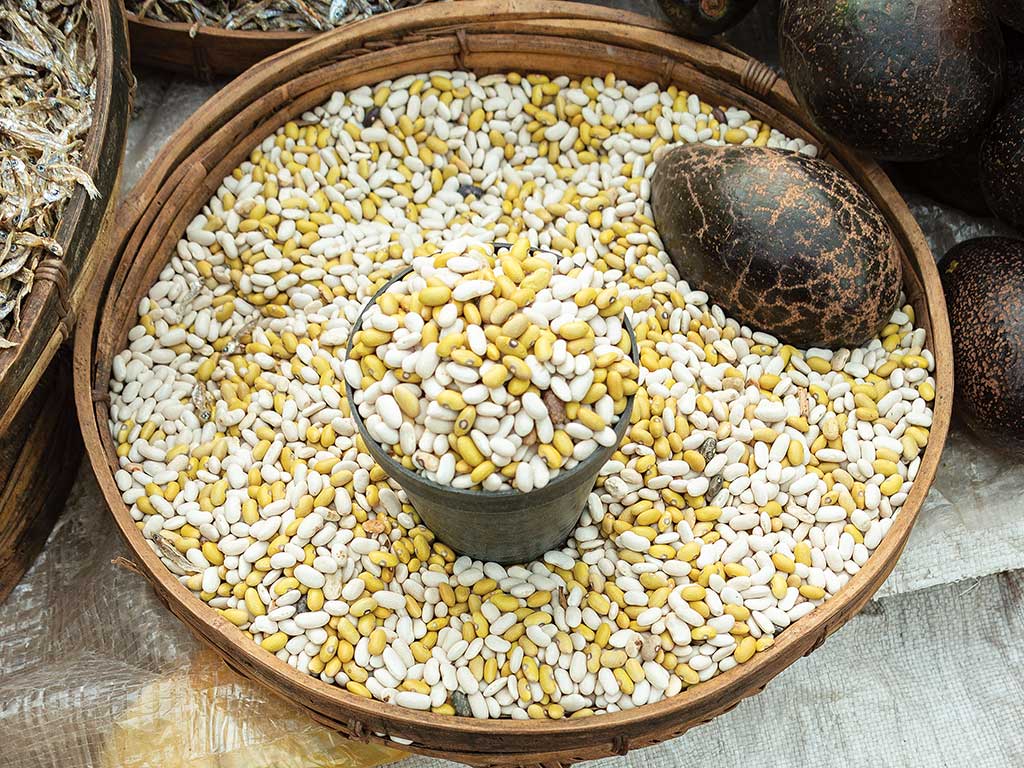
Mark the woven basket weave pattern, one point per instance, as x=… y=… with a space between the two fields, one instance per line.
x=483 y=36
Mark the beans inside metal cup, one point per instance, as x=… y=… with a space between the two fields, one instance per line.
x=505 y=526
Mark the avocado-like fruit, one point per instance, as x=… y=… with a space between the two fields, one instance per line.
x=954 y=179
x=983 y=280
x=785 y=243
x=1002 y=162
x=704 y=18
x=1010 y=12
x=905 y=81
x=1014 y=61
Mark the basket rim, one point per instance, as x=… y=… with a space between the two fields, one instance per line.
x=708 y=697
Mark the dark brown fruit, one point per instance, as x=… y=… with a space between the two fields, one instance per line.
x=703 y=18
x=983 y=280
x=1014 y=61
x=1010 y=12
x=907 y=80
x=785 y=243
x=756 y=34
x=954 y=179
x=1002 y=163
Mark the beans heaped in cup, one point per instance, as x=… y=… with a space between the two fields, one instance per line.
x=497 y=371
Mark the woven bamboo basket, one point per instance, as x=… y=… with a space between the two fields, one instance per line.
x=208 y=52
x=33 y=493
x=484 y=36
x=39 y=456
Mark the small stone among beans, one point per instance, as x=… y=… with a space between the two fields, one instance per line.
x=461 y=703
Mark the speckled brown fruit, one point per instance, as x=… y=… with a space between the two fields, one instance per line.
x=1002 y=163
x=785 y=243
x=954 y=179
x=983 y=280
x=703 y=18
x=1010 y=12
x=907 y=80
x=1014 y=61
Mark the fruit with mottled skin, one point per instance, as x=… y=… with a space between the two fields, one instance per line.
x=953 y=179
x=789 y=244
x=703 y=18
x=1014 y=61
x=983 y=280
x=1010 y=12
x=905 y=81
x=1002 y=163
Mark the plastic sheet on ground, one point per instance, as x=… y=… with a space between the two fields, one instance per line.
x=96 y=673
x=929 y=680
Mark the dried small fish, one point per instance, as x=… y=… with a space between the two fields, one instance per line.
x=236 y=340
x=29 y=240
x=7 y=304
x=47 y=90
x=185 y=300
x=263 y=15
x=14 y=263
x=336 y=11
x=203 y=403
x=166 y=549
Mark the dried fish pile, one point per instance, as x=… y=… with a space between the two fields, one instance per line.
x=47 y=90
x=264 y=15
